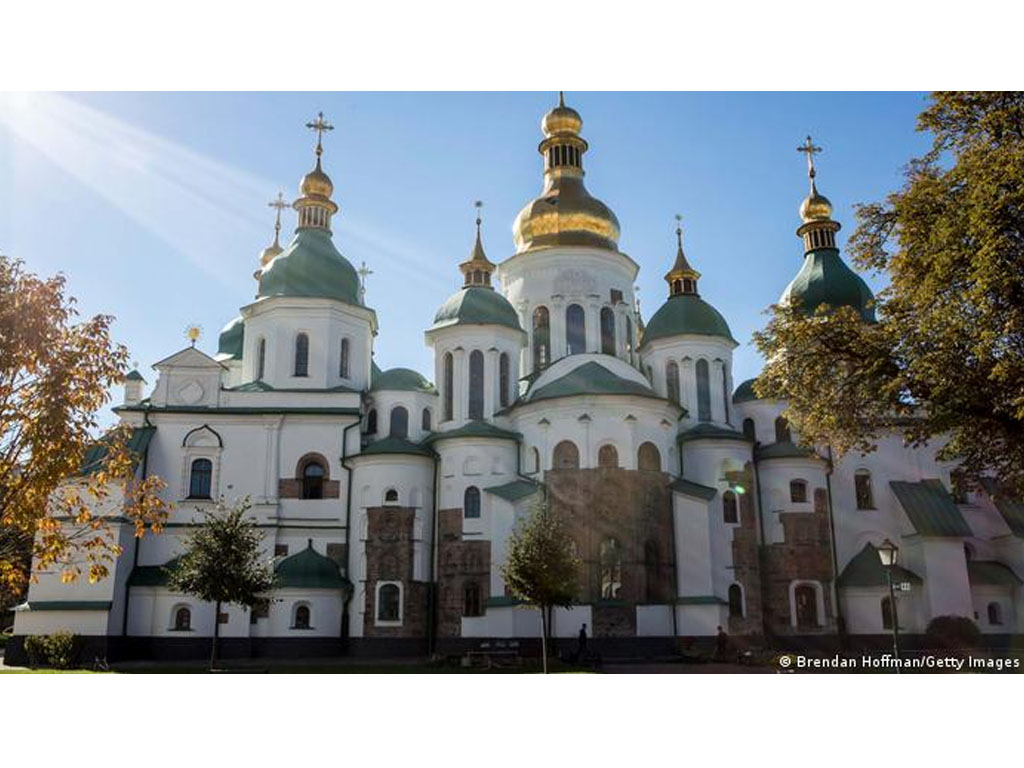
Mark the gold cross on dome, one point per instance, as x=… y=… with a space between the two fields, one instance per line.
x=364 y=272
x=810 y=150
x=320 y=125
x=679 y=227
x=280 y=205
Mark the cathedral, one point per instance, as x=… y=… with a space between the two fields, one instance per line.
x=387 y=497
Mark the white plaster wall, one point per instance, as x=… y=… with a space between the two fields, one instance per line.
x=654 y=620
x=685 y=351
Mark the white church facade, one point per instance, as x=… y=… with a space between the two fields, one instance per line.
x=387 y=500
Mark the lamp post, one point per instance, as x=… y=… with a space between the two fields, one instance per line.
x=888 y=553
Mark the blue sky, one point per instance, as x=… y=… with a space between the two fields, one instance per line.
x=154 y=204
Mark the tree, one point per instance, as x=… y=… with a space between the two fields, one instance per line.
x=223 y=562
x=542 y=568
x=945 y=360
x=55 y=375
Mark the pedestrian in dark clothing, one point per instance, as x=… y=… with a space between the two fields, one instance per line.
x=581 y=650
x=721 y=645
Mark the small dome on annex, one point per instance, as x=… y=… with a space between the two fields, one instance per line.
x=400 y=380
x=745 y=392
x=309 y=569
x=686 y=314
x=476 y=305
x=311 y=266
x=232 y=339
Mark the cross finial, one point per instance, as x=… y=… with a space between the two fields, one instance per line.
x=363 y=272
x=561 y=98
x=810 y=150
x=478 y=204
x=280 y=205
x=679 y=229
x=320 y=125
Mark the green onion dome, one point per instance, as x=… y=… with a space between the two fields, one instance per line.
x=311 y=266
x=309 y=569
x=232 y=339
x=825 y=278
x=745 y=392
x=686 y=314
x=476 y=305
x=401 y=380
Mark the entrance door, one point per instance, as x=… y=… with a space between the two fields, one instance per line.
x=806 y=607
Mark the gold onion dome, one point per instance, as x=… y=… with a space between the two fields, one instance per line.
x=565 y=213
x=815 y=207
x=316 y=183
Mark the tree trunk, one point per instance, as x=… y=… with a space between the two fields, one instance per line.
x=216 y=635
x=544 y=637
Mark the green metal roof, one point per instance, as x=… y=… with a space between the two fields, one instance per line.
x=69 y=605
x=991 y=573
x=134 y=375
x=690 y=488
x=700 y=600
x=865 y=569
x=152 y=575
x=686 y=313
x=589 y=379
x=401 y=380
x=707 y=431
x=472 y=429
x=241 y=410
x=96 y=454
x=501 y=601
x=745 y=392
x=476 y=305
x=825 y=278
x=309 y=569
x=311 y=266
x=393 y=445
x=1011 y=510
x=784 y=450
x=930 y=508
x=514 y=491
x=262 y=386
x=232 y=339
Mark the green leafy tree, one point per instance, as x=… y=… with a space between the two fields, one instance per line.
x=945 y=360
x=223 y=562
x=542 y=568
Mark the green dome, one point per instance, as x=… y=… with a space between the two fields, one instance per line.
x=686 y=313
x=309 y=569
x=825 y=279
x=311 y=266
x=745 y=392
x=401 y=380
x=232 y=339
x=475 y=305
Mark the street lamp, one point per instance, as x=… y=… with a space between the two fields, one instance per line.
x=888 y=553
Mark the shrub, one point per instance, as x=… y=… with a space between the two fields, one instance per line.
x=953 y=633
x=35 y=649
x=56 y=650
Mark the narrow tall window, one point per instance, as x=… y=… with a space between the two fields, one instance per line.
x=806 y=599
x=995 y=614
x=535 y=455
x=200 y=479
x=261 y=359
x=672 y=381
x=302 y=355
x=541 y=338
x=725 y=394
x=425 y=423
x=471 y=599
x=567 y=456
x=607 y=331
x=503 y=379
x=575 y=330
x=862 y=487
x=649 y=458
x=750 y=430
x=182 y=620
x=703 y=391
x=302 y=617
x=313 y=481
x=371 y=422
x=449 y=386
x=388 y=603
x=735 y=601
x=399 y=422
x=652 y=572
x=608 y=457
x=798 y=491
x=476 y=384
x=471 y=502
x=629 y=338
x=611 y=569
x=730 y=513
x=343 y=365
x=782 y=434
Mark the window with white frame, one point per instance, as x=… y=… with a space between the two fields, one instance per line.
x=389 y=603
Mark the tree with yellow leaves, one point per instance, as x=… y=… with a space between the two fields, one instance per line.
x=55 y=375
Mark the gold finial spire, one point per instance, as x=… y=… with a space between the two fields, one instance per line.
x=319 y=125
x=193 y=332
x=271 y=252
x=279 y=204
x=682 y=278
x=809 y=149
x=818 y=230
x=363 y=272
x=478 y=268
x=561 y=98
x=315 y=207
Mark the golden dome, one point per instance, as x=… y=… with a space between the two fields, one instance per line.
x=815 y=207
x=561 y=120
x=316 y=183
x=270 y=253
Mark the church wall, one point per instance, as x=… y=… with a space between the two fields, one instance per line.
x=389 y=548
x=460 y=561
x=413 y=402
x=685 y=351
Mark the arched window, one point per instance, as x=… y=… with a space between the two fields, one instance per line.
x=425 y=422
x=798 y=491
x=725 y=394
x=301 y=617
x=730 y=512
x=343 y=364
x=806 y=599
x=541 y=338
x=535 y=455
x=735 y=601
x=611 y=568
x=567 y=456
x=503 y=380
x=703 y=391
x=995 y=614
x=782 y=434
x=390 y=496
x=200 y=479
x=648 y=458
x=471 y=599
x=652 y=572
x=575 y=330
x=449 y=386
x=672 y=380
x=476 y=384
x=182 y=620
x=607 y=331
x=886 y=613
x=607 y=457
x=629 y=339
x=261 y=359
x=371 y=422
x=399 y=422
x=313 y=481
x=749 y=429
x=820 y=500
x=302 y=355
x=862 y=488
x=471 y=502
x=389 y=603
